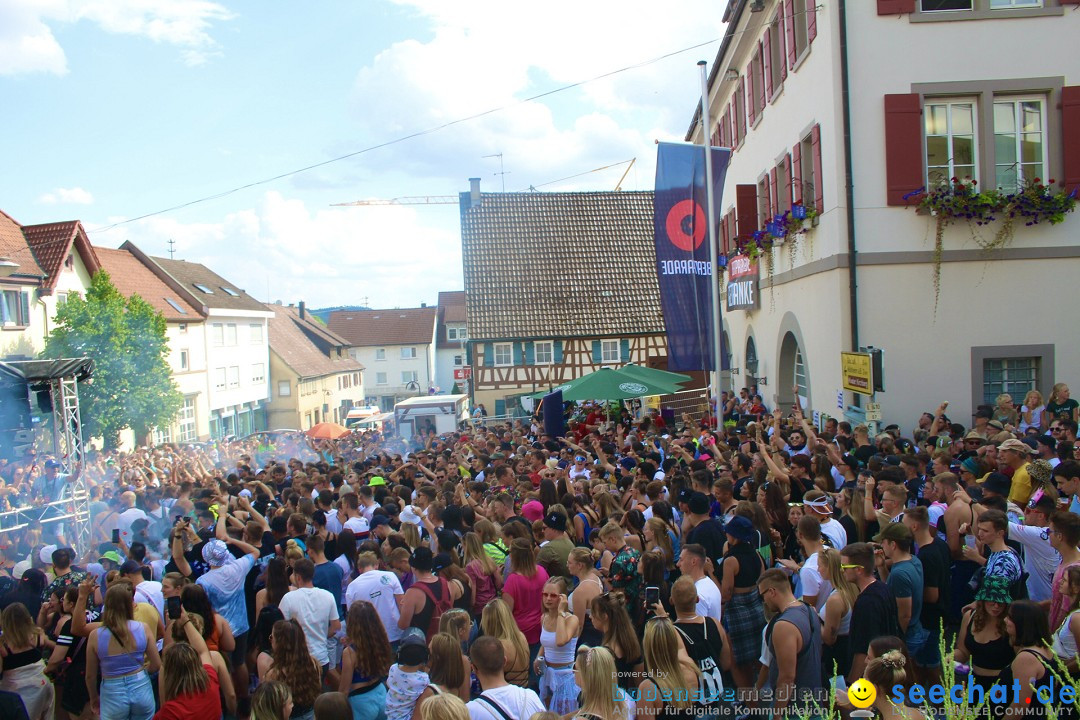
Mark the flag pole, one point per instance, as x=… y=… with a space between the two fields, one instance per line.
x=714 y=250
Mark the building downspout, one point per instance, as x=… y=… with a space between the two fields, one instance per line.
x=849 y=185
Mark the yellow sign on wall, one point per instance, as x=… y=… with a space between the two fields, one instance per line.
x=857 y=372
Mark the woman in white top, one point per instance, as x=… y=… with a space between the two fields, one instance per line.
x=580 y=565
x=836 y=614
x=558 y=642
x=1067 y=637
x=1031 y=413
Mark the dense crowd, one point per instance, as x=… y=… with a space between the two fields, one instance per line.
x=635 y=567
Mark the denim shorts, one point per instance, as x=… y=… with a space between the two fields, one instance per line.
x=369 y=704
x=926 y=652
x=129 y=697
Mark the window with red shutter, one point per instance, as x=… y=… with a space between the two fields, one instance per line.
x=740 y=111
x=789 y=185
x=895 y=7
x=766 y=63
x=759 y=67
x=774 y=193
x=724 y=235
x=1070 y=132
x=903 y=148
x=796 y=173
x=746 y=210
x=780 y=56
x=789 y=32
x=811 y=21
x=764 y=201
x=751 y=95
x=819 y=180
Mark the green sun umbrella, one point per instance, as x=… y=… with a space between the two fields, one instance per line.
x=660 y=378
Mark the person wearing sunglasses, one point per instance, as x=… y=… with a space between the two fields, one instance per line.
x=874 y=613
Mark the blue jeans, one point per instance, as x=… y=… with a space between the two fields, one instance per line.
x=130 y=697
x=370 y=705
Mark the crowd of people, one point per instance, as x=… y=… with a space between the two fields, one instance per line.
x=632 y=568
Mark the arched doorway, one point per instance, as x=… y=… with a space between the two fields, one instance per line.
x=792 y=372
x=750 y=362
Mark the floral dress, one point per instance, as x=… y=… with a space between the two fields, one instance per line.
x=624 y=576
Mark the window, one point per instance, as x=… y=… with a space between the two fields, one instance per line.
x=545 y=352
x=504 y=354
x=763 y=201
x=230 y=334
x=950 y=141
x=203 y=288
x=219 y=378
x=258 y=373
x=776 y=53
x=186 y=419
x=234 y=376
x=455 y=333
x=284 y=389
x=1014 y=376
x=1019 y=142
x=800 y=373
x=408 y=353
x=230 y=291
x=782 y=190
x=1009 y=4
x=461 y=335
x=183 y=359
x=740 y=113
x=162 y=436
x=176 y=306
x=182 y=328
x=217 y=334
x=380 y=354
x=802 y=31
x=757 y=80
x=459 y=360
x=945 y=5
x=807 y=181
x=255 y=330
x=61 y=298
x=609 y=351
x=16 y=308
x=380 y=379
x=409 y=376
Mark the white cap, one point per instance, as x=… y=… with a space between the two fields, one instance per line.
x=46 y=554
x=408 y=516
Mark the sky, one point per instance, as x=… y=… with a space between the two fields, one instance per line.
x=118 y=109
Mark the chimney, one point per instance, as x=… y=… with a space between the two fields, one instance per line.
x=474 y=192
x=423 y=305
x=303 y=313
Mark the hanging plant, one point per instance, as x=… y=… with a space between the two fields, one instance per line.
x=960 y=199
x=786 y=227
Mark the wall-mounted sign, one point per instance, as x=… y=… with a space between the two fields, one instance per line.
x=742 y=284
x=463 y=373
x=857 y=372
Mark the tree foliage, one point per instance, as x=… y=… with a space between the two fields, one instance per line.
x=125 y=337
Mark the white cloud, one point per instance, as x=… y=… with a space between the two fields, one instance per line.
x=479 y=56
x=284 y=250
x=67 y=196
x=27 y=43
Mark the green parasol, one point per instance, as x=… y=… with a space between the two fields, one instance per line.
x=673 y=382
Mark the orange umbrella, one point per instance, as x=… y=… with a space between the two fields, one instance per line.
x=327 y=431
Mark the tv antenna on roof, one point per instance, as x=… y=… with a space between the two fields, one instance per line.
x=172 y=248
x=502 y=173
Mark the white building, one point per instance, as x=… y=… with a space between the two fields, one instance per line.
x=451 y=365
x=234 y=340
x=186 y=335
x=396 y=348
x=980 y=88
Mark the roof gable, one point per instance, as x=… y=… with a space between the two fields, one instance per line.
x=132 y=277
x=293 y=340
x=206 y=288
x=365 y=328
x=560 y=265
x=13 y=245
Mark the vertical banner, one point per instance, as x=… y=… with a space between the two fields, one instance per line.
x=683 y=262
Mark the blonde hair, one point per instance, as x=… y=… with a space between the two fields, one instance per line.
x=1058 y=387
x=582 y=556
x=446 y=666
x=1001 y=399
x=182 y=672
x=611 y=530
x=888 y=670
x=444 y=706
x=659 y=530
x=497 y=621
x=661 y=649
x=830 y=566
x=293 y=552
x=268 y=702
x=411 y=534
x=19 y=628
x=119 y=610
x=474 y=551
x=454 y=621
x=597 y=667
x=1038 y=399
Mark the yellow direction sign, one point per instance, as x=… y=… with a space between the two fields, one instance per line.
x=857 y=372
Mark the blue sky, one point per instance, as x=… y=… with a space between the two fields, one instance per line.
x=119 y=108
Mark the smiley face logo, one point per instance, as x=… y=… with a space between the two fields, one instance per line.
x=862 y=693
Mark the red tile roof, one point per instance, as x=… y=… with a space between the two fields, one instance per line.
x=131 y=277
x=451 y=310
x=365 y=328
x=307 y=347
x=52 y=243
x=13 y=245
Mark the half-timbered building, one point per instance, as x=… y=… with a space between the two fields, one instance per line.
x=557 y=285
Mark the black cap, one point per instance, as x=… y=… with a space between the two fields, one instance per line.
x=377 y=520
x=440 y=562
x=684 y=495
x=130 y=567
x=422 y=559
x=556 y=521
x=698 y=504
x=1048 y=441
x=998 y=483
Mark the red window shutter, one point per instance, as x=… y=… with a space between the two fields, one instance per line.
x=796 y=173
x=903 y=148
x=774 y=189
x=811 y=21
x=732 y=231
x=723 y=235
x=762 y=96
x=1070 y=130
x=766 y=64
x=896 y=7
x=789 y=186
x=740 y=112
x=789 y=27
x=766 y=216
x=819 y=185
x=746 y=210
x=781 y=34
x=750 y=96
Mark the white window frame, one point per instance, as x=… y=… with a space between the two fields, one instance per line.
x=543 y=352
x=777 y=55
x=182 y=328
x=1015 y=4
x=230 y=335
x=220 y=381
x=1035 y=369
x=258 y=373
x=799 y=372
x=381 y=379
x=802 y=29
x=459 y=360
x=234 y=377
x=410 y=376
x=255 y=331
x=949 y=103
x=284 y=388
x=610 y=352
x=451 y=333
x=184 y=360
x=408 y=353
x=757 y=74
x=186 y=421
x=162 y=436
x=1017 y=102
x=506 y=351
x=971 y=6
x=217 y=334
x=380 y=354
x=807 y=181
